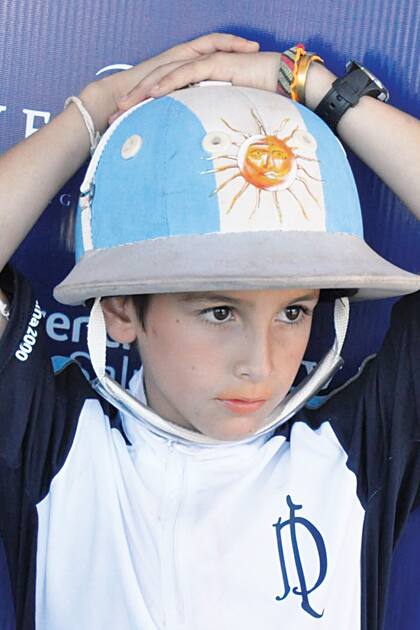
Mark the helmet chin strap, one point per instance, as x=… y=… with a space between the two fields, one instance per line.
x=128 y=404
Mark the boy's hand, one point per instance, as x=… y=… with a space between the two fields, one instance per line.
x=107 y=98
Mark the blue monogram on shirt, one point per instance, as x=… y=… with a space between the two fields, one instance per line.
x=303 y=590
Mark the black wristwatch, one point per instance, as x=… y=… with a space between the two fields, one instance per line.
x=347 y=91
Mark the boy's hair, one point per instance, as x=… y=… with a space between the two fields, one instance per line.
x=141 y=304
x=329 y=295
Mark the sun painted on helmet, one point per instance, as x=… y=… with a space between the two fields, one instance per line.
x=271 y=163
x=266 y=162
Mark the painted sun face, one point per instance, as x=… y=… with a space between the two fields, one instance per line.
x=267 y=162
x=270 y=163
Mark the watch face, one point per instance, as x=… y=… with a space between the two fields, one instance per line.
x=381 y=92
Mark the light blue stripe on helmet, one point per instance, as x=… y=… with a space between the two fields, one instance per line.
x=157 y=192
x=341 y=200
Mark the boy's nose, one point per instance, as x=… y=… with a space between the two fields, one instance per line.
x=255 y=361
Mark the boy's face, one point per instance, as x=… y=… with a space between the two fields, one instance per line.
x=220 y=363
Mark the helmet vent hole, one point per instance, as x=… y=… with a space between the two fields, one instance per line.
x=131 y=146
x=216 y=142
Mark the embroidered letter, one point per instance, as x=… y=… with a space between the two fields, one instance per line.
x=303 y=589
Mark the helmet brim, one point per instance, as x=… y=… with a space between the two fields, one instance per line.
x=234 y=262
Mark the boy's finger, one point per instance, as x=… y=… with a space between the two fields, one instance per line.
x=114 y=117
x=222 y=41
x=142 y=89
x=213 y=67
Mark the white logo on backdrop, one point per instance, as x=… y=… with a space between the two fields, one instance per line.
x=31 y=116
x=68 y=330
x=36 y=118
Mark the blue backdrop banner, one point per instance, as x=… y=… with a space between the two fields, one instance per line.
x=50 y=50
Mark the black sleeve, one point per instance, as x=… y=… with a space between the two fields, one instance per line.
x=39 y=412
x=377 y=416
x=38 y=420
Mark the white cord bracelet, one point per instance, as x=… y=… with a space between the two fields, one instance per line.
x=4 y=309
x=94 y=136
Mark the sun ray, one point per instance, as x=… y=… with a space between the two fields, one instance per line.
x=277 y=204
x=257 y=202
x=225 y=183
x=303 y=157
x=308 y=190
x=259 y=123
x=219 y=169
x=220 y=157
x=283 y=123
x=236 y=197
x=301 y=168
x=242 y=133
x=289 y=190
x=290 y=136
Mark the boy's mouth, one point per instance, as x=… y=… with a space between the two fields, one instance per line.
x=242 y=405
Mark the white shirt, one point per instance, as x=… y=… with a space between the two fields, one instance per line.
x=161 y=534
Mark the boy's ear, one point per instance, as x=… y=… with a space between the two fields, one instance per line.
x=120 y=319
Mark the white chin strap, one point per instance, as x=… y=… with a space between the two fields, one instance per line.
x=128 y=404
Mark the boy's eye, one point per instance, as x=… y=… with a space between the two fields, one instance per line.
x=221 y=313
x=293 y=312
x=217 y=314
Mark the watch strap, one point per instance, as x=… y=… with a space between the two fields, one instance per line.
x=344 y=93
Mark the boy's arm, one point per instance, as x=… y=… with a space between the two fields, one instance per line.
x=385 y=138
x=33 y=171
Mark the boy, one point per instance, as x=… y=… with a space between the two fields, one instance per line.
x=206 y=508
